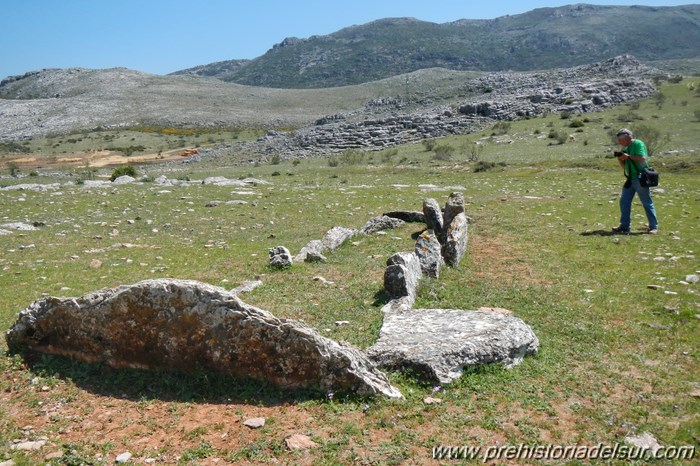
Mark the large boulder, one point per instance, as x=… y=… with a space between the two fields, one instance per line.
x=310 y=252
x=191 y=326
x=439 y=343
x=408 y=216
x=433 y=215
x=429 y=252
x=455 y=246
x=336 y=236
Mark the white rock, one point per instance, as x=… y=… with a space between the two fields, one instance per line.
x=692 y=278
x=123 y=458
x=645 y=440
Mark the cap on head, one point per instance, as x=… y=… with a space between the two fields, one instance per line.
x=624 y=132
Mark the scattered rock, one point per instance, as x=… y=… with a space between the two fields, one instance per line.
x=429 y=253
x=322 y=280
x=190 y=326
x=212 y=204
x=340 y=323
x=280 y=257
x=8 y=463
x=380 y=223
x=29 y=446
x=53 y=456
x=124 y=457
x=336 y=236
x=433 y=216
x=18 y=226
x=314 y=248
x=456 y=240
x=439 y=343
x=247 y=286
x=124 y=179
x=299 y=442
x=254 y=423
x=695 y=393
x=407 y=216
x=692 y=278
x=95 y=264
x=645 y=440
x=429 y=400
x=655 y=287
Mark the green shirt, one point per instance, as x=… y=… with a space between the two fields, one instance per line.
x=632 y=168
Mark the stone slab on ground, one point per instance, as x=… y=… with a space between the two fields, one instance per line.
x=191 y=326
x=440 y=343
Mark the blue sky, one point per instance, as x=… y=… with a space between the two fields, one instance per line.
x=162 y=36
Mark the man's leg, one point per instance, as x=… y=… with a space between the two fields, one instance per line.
x=626 y=198
x=648 y=203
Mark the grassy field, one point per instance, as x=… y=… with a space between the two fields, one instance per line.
x=616 y=357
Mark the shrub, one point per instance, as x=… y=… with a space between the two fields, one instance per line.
x=352 y=157
x=482 y=166
x=121 y=171
x=473 y=151
x=576 y=124
x=443 y=152
x=565 y=115
x=429 y=144
x=333 y=162
x=14 y=169
x=388 y=155
x=275 y=159
x=296 y=162
x=502 y=127
x=652 y=138
x=697 y=114
x=634 y=105
x=275 y=173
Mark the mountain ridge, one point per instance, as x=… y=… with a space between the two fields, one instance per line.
x=543 y=38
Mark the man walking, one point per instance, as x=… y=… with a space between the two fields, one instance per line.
x=633 y=159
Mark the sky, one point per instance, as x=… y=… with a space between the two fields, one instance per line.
x=162 y=36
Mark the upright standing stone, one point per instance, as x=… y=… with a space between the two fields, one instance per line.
x=453 y=207
x=402 y=275
x=455 y=246
x=429 y=252
x=433 y=216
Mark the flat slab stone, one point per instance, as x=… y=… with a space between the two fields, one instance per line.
x=440 y=343
x=191 y=326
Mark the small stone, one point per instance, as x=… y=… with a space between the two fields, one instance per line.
x=29 y=446
x=53 y=456
x=280 y=257
x=692 y=278
x=646 y=440
x=655 y=287
x=95 y=264
x=255 y=422
x=672 y=293
x=340 y=323
x=695 y=393
x=429 y=400
x=8 y=463
x=322 y=280
x=124 y=457
x=299 y=442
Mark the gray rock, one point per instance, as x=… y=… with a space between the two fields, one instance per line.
x=429 y=252
x=336 y=236
x=96 y=184
x=191 y=326
x=402 y=275
x=453 y=207
x=31 y=187
x=124 y=179
x=123 y=458
x=19 y=226
x=439 y=343
x=380 y=223
x=163 y=180
x=255 y=422
x=456 y=236
x=692 y=278
x=5 y=232
x=312 y=250
x=407 y=216
x=433 y=216
x=280 y=257
x=247 y=286
x=645 y=440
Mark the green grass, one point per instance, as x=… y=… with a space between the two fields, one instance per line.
x=614 y=359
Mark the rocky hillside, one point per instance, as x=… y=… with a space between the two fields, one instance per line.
x=438 y=102
x=544 y=38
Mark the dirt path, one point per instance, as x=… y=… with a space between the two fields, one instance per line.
x=95 y=159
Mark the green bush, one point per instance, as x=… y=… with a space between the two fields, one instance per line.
x=276 y=159
x=652 y=138
x=697 y=114
x=121 y=171
x=502 y=127
x=333 y=162
x=576 y=124
x=443 y=152
x=352 y=157
x=429 y=144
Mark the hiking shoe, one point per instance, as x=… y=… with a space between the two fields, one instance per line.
x=653 y=231
x=620 y=229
